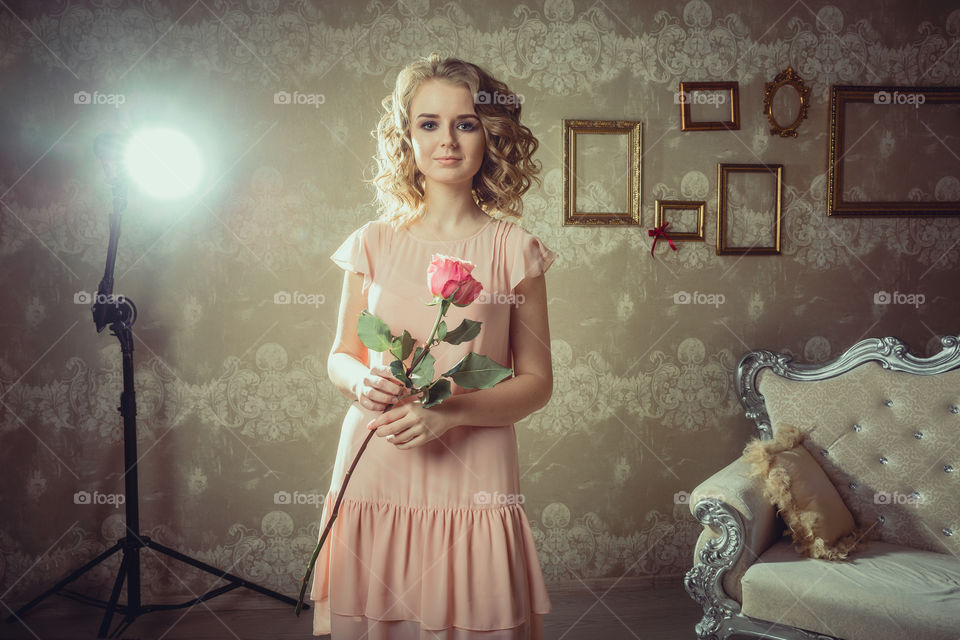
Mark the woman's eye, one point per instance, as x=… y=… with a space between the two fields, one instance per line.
x=430 y=125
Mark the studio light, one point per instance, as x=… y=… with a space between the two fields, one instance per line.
x=164 y=163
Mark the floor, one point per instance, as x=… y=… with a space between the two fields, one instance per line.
x=644 y=612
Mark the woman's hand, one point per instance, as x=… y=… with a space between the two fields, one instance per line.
x=379 y=389
x=410 y=425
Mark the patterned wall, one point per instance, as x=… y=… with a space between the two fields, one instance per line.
x=234 y=404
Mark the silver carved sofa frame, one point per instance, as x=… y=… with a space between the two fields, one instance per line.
x=720 y=554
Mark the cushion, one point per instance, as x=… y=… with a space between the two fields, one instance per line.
x=883 y=592
x=888 y=442
x=821 y=525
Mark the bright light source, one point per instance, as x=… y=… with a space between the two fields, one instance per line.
x=164 y=163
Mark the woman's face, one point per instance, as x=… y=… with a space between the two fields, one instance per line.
x=444 y=124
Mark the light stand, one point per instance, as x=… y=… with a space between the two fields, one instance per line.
x=120 y=313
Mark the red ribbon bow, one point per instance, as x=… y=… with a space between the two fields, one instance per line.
x=660 y=232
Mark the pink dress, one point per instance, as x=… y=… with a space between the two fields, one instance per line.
x=432 y=542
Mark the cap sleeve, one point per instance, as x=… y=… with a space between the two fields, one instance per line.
x=354 y=254
x=531 y=258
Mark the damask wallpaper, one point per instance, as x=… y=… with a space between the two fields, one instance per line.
x=237 y=297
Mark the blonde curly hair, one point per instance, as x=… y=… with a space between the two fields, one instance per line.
x=507 y=169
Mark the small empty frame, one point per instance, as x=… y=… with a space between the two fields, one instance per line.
x=601 y=177
x=709 y=106
x=748 y=208
x=786 y=101
x=685 y=218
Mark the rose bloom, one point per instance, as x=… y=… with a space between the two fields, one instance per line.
x=445 y=274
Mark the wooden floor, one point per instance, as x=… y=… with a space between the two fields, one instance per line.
x=662 y=611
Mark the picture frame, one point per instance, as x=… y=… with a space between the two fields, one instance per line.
x=789 y=79
x=602 y=174
x=686 y=97
x=724 y=173
x=871 y=126
x=661 y=209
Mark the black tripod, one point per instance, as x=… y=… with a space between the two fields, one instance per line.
x=120 y=313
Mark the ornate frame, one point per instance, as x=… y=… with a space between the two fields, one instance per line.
x=840 y=97
x=704 y=581
x=683 y=99
x=787 y=77
x=680 y=205
x=722 y=171
x=634 y=132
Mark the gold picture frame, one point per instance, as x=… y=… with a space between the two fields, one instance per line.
x=686 y=97
x=723 y=174
x=602 y=167
x=786 y=78
x=919 y=119
x=662 y=206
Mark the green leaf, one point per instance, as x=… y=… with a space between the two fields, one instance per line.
x=402 y=346
x=436 y=393
x=441 y=330
x=397 y=369
x=468 y=330
x=373 y=332
x=423 y=374
x=478 y=372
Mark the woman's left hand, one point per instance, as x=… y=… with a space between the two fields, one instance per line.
x=410 y=425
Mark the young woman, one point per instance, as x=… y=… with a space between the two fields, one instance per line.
x=431 y=540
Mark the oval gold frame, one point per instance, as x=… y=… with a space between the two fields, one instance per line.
x=784 y=78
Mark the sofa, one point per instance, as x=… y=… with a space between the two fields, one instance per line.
x=884 y=426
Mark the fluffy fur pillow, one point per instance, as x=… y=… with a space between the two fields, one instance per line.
x=821 y=524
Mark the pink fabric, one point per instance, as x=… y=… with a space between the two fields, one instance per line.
x=412 y=554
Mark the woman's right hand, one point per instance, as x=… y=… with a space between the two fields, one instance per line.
x=379 y=389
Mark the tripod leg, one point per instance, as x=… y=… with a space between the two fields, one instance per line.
x=70 y=578
x=220 y=573
x=114 y=596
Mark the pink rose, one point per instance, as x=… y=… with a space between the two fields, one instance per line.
x=448 y=276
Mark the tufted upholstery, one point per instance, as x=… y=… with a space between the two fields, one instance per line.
x=890 y=443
